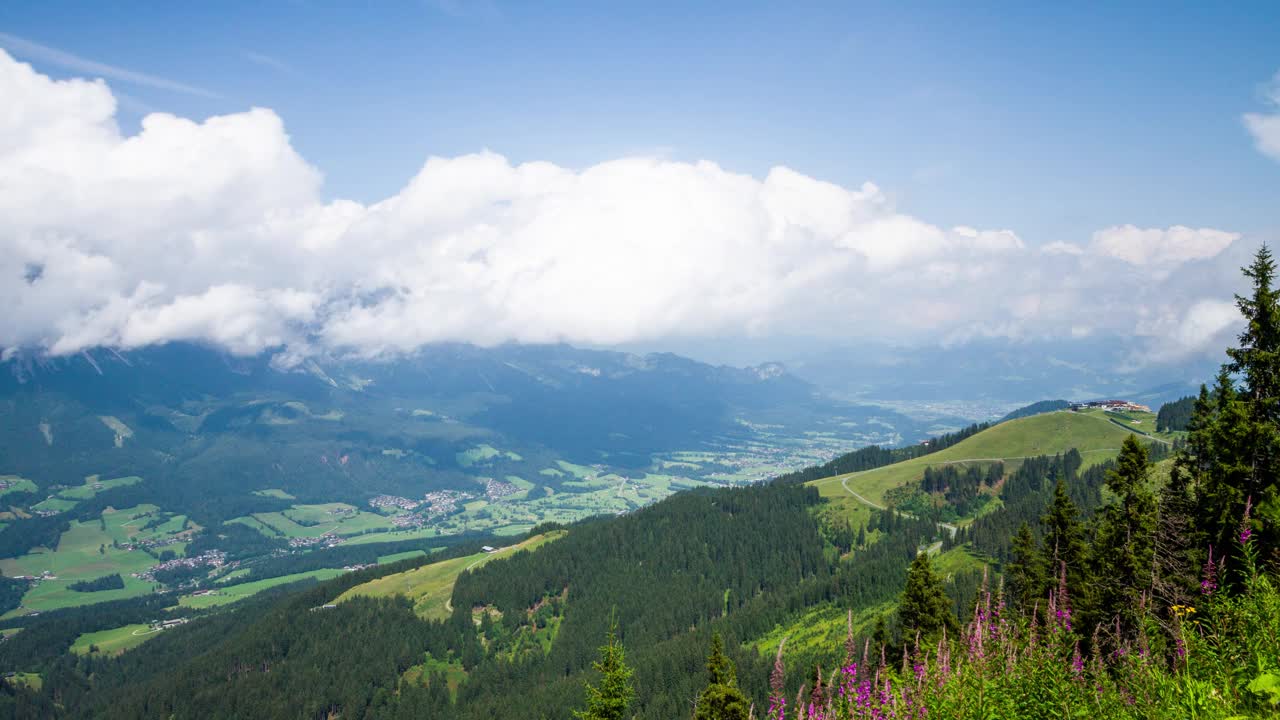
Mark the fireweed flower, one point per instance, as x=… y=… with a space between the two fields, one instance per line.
x=777 y=682
x=1246 y=531
x=1209 y=576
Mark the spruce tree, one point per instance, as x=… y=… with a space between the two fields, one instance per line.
x=1175 y=557
x=925 y=607
x=1027 y=574
x=1257 y=363
x=611 y=698
x=1124 y=546
x=1064 y=537
x=721 y=700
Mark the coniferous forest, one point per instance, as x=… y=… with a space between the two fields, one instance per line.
x=1105 y=589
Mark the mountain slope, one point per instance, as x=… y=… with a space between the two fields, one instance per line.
x=1095 y=437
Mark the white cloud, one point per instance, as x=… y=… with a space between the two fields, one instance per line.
x=1160 y=247
x=215 y=231
x=1266 y=128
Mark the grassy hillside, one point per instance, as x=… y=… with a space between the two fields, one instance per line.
x=1096 y=437
x=431 y=586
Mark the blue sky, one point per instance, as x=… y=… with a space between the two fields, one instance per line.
x=1048 y=118
x=1042 y=171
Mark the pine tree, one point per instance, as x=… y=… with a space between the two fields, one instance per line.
x=1218 y=446
x=925 y=607
x=1064 y=536
x=1175 y=556
x=1124 y=547
x=609 y=700
x=862 y=536
x=1233 y=444
x=1257 y=362
x=880 y=635
x=721 y=700
x=1027 y=575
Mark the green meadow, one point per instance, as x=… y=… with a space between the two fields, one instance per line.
x=17 y=484
x=113 y=641
x=226 y=595
x=1096 y=438
x=431 y=586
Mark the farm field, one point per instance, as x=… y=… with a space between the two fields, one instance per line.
x=92 y=486
x=16 y=484
x=1095 y=437
x=87 y=551
x=232 y=593
x=431 y=586
x=309 y=521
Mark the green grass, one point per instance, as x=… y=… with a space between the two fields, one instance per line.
x=77 y=557
x=393 y=536
x=31 y=680
x=226 y=595
x=273 y=493
x=55 y=504
x=113 y=641
x=250 y=521
x=1095 y=437
x=85 y=552
x=384 y=559
x=92 y=486
x=287 y=523
x=454 y=673
x=820 y=629
x=17 y=484
x=431 y=586
x=482 y=454
x=954 y=561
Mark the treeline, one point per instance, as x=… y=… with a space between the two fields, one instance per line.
x=874 y=456
x=1037 y=408
x=106 y=582
x=1175 y=415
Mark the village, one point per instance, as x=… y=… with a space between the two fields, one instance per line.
x=210 y=558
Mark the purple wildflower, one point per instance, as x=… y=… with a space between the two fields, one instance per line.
x=777 y=682
x=1209 y=576
x=1246 y=531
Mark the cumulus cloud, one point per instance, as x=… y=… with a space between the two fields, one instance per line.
x=1160 y=247
x=215 y=231
x=1265 y=128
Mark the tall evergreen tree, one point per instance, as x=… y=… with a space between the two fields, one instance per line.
x=1257 y=363
x=611 y=698
x=1175 y=556
x=1064 y=537
x=1233 y=443
x=721 y=700
x=1026 y=573
x=1124 y=546
x=925 y=607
